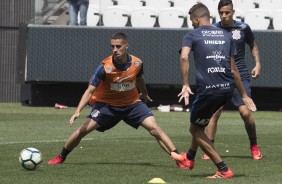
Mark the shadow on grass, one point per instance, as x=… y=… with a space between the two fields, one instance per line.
x=236 y=156
x=116 y=163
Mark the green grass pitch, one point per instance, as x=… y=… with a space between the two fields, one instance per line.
x=124 y=155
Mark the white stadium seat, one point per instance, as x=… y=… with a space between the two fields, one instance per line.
x=143 y=17
x=258 y=19
x=270 y=5
x=211 y=4
x=277 y=22
x=185 y=4
x=103 y=4
x=171 y=17
x=132 y=4
x=158 y=4
x=115 y=16
x=244 y=5
x=93 y=15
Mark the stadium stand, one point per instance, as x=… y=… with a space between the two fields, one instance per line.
x=244 y=5
x=258 y=19
x=167 y=13
x=132 y=4
x=277 y=23
x=115 y=16
x=158 y=4
x=93 y=15
x=212 y=5
x=103 y=4
x=172 y=17
x=144 y=17
x=270 y=5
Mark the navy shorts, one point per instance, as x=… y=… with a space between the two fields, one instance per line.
x=204 y=106
x=108 y=116
x=236 y=98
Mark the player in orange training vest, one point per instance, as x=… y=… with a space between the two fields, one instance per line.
x=114 y=93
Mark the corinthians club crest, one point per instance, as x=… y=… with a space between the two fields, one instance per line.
x=236 y=34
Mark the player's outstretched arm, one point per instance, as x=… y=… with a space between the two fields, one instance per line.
x=84 y=100
x=184 y=70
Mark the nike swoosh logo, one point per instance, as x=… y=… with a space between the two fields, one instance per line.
x=122 y=79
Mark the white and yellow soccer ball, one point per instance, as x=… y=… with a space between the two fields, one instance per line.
x=30 y=158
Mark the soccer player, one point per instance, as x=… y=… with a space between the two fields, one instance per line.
x=241 y=34
x=216 y=77
x=115 y=86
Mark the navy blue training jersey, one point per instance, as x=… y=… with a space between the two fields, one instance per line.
x=241 y=34
x=212 y=48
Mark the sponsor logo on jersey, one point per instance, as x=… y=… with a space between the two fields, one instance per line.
x=214 y=42
x=109 y=69
x=236 y=34
x=216 y=70
x=216 y=56
x=137 y=63
x=119 y=80
x=213 y=33
x=122 y=86
x=221 y=86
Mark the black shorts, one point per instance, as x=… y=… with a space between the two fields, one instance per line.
x=108 y=116
x=204 y=106
x=236 y=97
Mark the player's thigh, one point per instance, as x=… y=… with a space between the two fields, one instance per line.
x=137 y=114
x=236 y=97
x=104 y=116
x=89 y=125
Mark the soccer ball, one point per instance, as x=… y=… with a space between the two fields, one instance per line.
x=30 y=158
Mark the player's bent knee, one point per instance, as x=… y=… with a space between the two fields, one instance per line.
x=156 y=131
x=245 y=114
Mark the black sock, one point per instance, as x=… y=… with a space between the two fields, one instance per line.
x=253 y=141
x=64 y=153
x=176 y=151
x=222 y=166
x=191 y=154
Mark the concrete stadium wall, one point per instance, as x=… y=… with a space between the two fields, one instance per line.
x=12 y=14
x=71 y=54
x=61 y=59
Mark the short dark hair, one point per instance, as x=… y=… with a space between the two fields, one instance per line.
x=199 y=10
x=224 y=3
x=119 y=35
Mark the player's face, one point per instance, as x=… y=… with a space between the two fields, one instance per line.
x=119 y=49
x=226 y=15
